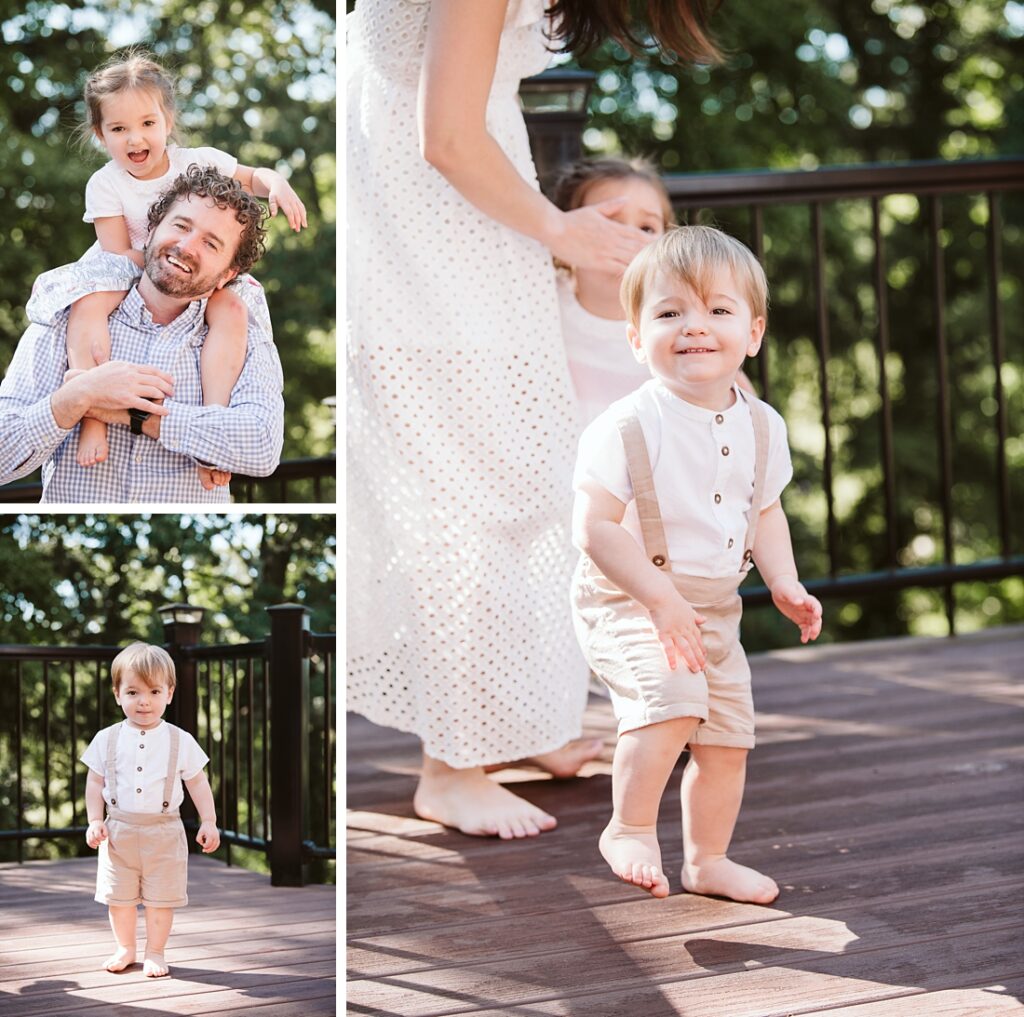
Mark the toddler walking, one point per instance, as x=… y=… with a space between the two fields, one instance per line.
x=136 y=769
x=131 y=112
x=677 y=492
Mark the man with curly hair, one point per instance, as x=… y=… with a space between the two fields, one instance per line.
x=205 y=233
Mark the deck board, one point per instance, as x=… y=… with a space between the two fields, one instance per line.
x=240 y=947
x=885 y=797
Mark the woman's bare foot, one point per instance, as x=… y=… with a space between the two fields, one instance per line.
x=722 y=877
x=468 y=801
x=566 y=761
x=123 y=957
x=92 y=442
x=154 y=966
x=634 y=856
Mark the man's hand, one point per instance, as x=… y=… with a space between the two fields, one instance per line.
x=211 y=478
x=114 y=386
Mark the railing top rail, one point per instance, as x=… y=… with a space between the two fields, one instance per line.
x=869 y=179
x=16 y=651
x=226 y=651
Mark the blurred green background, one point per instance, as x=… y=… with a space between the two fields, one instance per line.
x=256 y=80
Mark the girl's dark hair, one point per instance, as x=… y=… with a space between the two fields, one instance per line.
x=679 y=27
x=573 y=182
x=133 y=69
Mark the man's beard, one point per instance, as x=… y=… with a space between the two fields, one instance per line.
x=173 y=283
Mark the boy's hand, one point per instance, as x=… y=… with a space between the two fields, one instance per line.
x=677 y=625
x=282 y=197
x=96 y=833
x=798 y=606
x=208 y=837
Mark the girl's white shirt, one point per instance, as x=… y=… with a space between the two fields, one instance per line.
x=142 y=765
x=687 y=445
x=601 y=360
x=114 y=191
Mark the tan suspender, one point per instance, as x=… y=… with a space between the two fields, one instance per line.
x=638 y=462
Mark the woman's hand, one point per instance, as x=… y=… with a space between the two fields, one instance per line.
x=798 y=606
x=590 y=238
x=678 y=628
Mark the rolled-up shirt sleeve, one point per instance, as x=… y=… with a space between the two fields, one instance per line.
x=29 y=435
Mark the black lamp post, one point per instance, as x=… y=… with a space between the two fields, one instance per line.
x=555 y=110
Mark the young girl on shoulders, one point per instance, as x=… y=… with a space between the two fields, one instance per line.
x=131 y=111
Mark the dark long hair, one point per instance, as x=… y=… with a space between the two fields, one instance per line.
x=680 y=27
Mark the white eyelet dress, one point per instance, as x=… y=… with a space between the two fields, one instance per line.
x=461 y=425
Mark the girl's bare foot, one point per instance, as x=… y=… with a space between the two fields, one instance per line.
x=92 y=442
x=634 y=856
x=123 y=957
x=471 y=803
x=722 y=877
x=566 y=761
x=154 y=966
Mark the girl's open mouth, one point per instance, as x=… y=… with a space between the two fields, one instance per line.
x=139 y=156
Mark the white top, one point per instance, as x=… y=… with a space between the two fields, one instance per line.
x=687 y=445
x=601 y=361
x=142 y=765
x=114 y=191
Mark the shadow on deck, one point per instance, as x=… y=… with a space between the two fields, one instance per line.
x=240 y=947
x=885 y=797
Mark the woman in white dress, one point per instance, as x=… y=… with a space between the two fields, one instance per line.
x=461 y=423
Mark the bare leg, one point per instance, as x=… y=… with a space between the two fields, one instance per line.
x=122 y=924
x=712 y=790
x=158 y=928
x=643 y=761
x=563 y=762
x=470 y=802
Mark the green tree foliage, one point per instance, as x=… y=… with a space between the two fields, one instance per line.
x=256 y=80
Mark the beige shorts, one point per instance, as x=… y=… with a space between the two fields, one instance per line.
x=144 y=860
x=623 y=650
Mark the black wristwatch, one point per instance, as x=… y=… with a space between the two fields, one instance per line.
x=138 y=418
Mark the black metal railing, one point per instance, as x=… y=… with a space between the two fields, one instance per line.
x=294 y=480
x=741 y=202
x=263 y=711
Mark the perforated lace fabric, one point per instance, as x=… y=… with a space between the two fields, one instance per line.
x=461 y=426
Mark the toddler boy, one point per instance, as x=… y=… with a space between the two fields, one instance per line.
x=136 y=768
x=677 y=491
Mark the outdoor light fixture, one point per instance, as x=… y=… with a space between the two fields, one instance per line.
x=555 y=109
x=181 y=614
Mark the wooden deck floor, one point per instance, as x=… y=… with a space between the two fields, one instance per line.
x=886 y=797
x=240 y=947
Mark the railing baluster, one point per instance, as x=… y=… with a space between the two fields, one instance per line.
x=46 y=742
x=757 y=246
x=251 y=804
x=266 y=752
x=945 y=416
x=236 y=723
x=888 y=462
x=821 y=321
x=995 y=274
x=74 y=754
x=328 y=747
x=19 y=755
x=221 y=755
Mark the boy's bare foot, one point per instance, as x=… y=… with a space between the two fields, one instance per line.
x=123 y=957
x=468 y=801
x=722 y=877
x=634 y=856
x=566 y=761
x=92 y=443
x=154 y=966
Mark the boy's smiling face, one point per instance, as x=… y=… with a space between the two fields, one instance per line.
x=143 y=704
x=695 y=344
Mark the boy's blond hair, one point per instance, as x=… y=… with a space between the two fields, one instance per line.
x=694 y=254
x=152 y=665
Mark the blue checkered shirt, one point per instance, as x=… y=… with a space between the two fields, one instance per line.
x=244 y=437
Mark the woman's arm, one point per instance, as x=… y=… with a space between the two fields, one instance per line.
x=112 y=233
x=458 y=68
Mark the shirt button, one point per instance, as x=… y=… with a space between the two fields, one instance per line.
x=719 y=419
x=139 y=768
x=731 y=542
x=718 y=499
x=138 y=790
x=142 y=745
x=138 y=459
x=725 y=450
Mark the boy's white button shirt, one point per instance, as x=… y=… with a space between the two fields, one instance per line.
x=703 y=465
x=142 y=766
